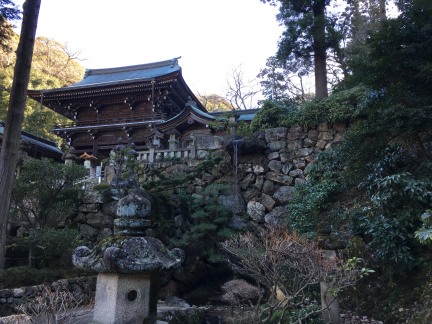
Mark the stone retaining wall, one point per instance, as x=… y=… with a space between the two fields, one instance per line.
x=267 y=184
x=10 y=299
x=266 y=178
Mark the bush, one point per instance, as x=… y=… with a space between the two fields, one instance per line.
x=25 y=276
x=208 y=222
x=47 y=244
x=105 y=190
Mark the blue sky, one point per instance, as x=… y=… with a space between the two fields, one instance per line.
x=212 y=37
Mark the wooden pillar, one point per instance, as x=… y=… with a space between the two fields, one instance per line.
x=94 y=161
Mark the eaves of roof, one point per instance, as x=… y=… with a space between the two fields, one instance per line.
x=35 y=140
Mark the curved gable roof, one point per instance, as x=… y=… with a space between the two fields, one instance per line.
x=127 y=73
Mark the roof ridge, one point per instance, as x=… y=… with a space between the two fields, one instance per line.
x=172 y=63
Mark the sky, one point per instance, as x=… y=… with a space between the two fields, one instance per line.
x=212 y=37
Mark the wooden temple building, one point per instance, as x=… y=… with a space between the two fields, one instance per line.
x=35 y=146
x=149 y=106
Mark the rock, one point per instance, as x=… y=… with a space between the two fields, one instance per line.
x=296 y=173
x=309 y=142
x=135 y=204
x=268 y=187
x=299 y=163
x=109 y=209
x=275 y=134
x=203 y=154
x=248 y=145
x=5 y=293
x=237 y=222
x=170 y=289
x=258 y=169
x=284 y=194
x=88 y=231
x=322 y=127
x=256 y=211
x=277 y=217
x=174 y=301
x=104 y=233
x=267 y=201
x=295 y=132
x=279 y=178
x=293 y=145
x=247 y=181
x=92 y=197
x=299 y=181
x=210 y=143
x=99 y=220
x=89 y=208
x=313 y=135
x=16 y=319
x=251 y=193
x=286 y=167
x=233 y=202
x=284 y=156
x=275 y=146
x=304 y=152
x=326 y=136
x=177 y=169
x=273 y=156
x=178 y=221
x=338 y=138
x=259 y=182
x=321 y=144
x=275 y=165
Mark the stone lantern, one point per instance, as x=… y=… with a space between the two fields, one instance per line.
x=128 y=265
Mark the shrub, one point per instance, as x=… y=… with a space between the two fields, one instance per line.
x=290 y=267
x=47 y=243
x=105 y=190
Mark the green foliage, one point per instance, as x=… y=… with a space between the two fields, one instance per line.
x=272 y=114
x=208 y=221
x=26 y=276
x=47 y=193
x=424 y=233
x=390 y=240
x=126 y=166
x=47 y=244
x=53 y=66
x=181 y=180
x=105 y=190
x=54 y=242
x=343 y=106
x=400 y=55
x=346 y=105
x=313 y=203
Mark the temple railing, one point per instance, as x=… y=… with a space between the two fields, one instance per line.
x=109 y=122
x=157 y=155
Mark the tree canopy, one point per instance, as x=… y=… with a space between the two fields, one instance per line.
x=54 y=65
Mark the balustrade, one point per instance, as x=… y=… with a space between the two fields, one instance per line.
x=159 y=155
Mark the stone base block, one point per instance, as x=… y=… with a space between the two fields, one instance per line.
x=122 y=298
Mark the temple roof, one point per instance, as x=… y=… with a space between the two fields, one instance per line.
x=46 y=147
x=117 y=85
x=97 y=77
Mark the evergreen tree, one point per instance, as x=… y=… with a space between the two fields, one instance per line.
x=303 y=46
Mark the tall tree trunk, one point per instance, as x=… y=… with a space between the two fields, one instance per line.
x=15 y=115
x=319 y=48
x=382 y=10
